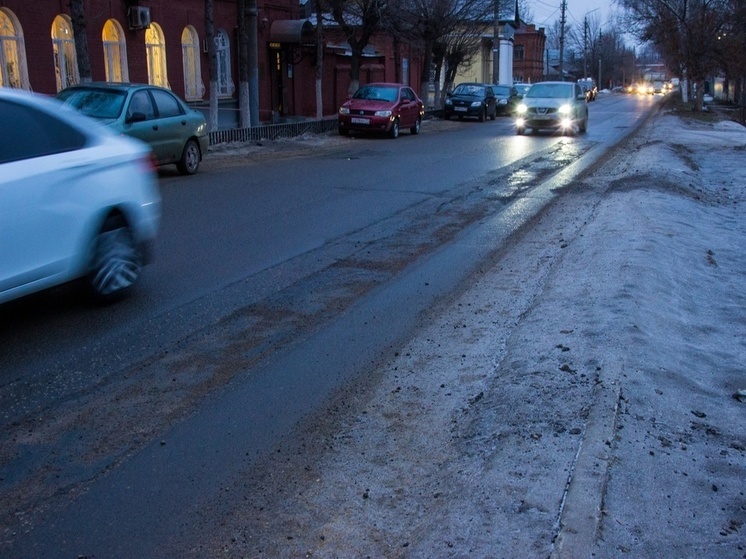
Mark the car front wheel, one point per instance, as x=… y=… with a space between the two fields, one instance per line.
x=394 y=130
x=115 y=266
x=190 y=157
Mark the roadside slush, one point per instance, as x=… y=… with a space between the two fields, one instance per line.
x=576 y=399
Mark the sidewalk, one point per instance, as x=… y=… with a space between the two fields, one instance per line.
x=576 y=400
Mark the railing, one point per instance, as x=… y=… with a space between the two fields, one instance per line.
x=273 y=131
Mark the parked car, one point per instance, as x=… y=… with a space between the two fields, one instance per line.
x=176 y=133
x=382 y=107
x=76 y=201
x=472 y=100
x=507 y=98
x=553 y=105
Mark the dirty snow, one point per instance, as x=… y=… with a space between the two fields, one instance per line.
x=624 y=307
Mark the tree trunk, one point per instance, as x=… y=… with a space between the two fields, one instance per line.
x=212 y=56
x=252 y=25
x=319 y=60
x=77 y=15
x=243 y=67
x=425 y=75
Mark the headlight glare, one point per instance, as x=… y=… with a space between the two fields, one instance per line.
x=565 y=110
x=521 y=109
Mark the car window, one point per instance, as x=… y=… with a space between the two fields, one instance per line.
x=36 y=133
x=468 y=89
x=501 y=90
x=141 y=103
x=550 y=90
x=379 y=93
x=97 y=103
x=166 y=103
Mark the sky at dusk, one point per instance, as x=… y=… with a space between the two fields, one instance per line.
x=546 y=12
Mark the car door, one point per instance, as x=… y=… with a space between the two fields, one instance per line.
x=173 y=125
x=409 y=108
x=141 y=123
x=40 y=220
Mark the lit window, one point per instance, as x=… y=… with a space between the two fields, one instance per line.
x=13 y=70
x=194 y=87
x=115 y=52
x=65 y=59
x=225 y=82
x=155 y=44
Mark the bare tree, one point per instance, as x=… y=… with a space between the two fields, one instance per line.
x=77 y=16
x=244 y=108
x=358 y=20
x=685 y=31
x=212 y=54
x=319 y=58
x=430 y=22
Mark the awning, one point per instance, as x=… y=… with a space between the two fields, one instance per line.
x=292 y=31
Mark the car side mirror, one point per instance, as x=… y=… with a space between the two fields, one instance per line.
x=136 y=117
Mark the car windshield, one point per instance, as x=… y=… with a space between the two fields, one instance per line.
x=501 y=90
x=551 y=90
x=96 y=103
x=468 y=89
x=523 y=89
x=377 y=92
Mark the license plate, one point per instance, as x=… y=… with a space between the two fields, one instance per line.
x=356 y=120
x=460 y=109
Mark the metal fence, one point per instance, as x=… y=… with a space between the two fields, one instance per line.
x=273 y=131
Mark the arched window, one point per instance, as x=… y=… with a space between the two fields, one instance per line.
x=194 y=87
x=225 y=82
x=13 y=69
x=115 y=52
x=155 y=44
x=63 y=45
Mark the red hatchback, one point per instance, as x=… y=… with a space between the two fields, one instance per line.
x=382 y=107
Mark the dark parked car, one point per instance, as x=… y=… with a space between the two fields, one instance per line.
x=176 y=133
x=382 y=107
x=471 y=99
x=507 y=98
x=553 y=105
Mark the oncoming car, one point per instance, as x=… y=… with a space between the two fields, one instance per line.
x=176 y=133
x=558 y=106
x=76 y=201
x=382 y=107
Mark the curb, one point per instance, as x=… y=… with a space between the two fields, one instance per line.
x=582 y=505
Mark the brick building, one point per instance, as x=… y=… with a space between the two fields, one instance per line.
x=163 y=42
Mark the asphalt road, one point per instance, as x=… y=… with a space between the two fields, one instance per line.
x=279 y=276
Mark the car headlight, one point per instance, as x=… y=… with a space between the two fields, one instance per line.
x=521 y=109
x=565 y=110
x=476 y=104
x=502 y=102
x=383 y=113
x=344 y=111
x=449 y=102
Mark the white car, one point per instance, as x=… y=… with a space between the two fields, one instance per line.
x=560 y=106
x=76 y=201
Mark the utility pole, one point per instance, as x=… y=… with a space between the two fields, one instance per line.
x=496 y=44
x=562 y=42
x=585 y=46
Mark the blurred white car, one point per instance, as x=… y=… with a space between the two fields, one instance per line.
x=76 y=201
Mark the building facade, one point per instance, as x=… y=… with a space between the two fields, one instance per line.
x=162 y=42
